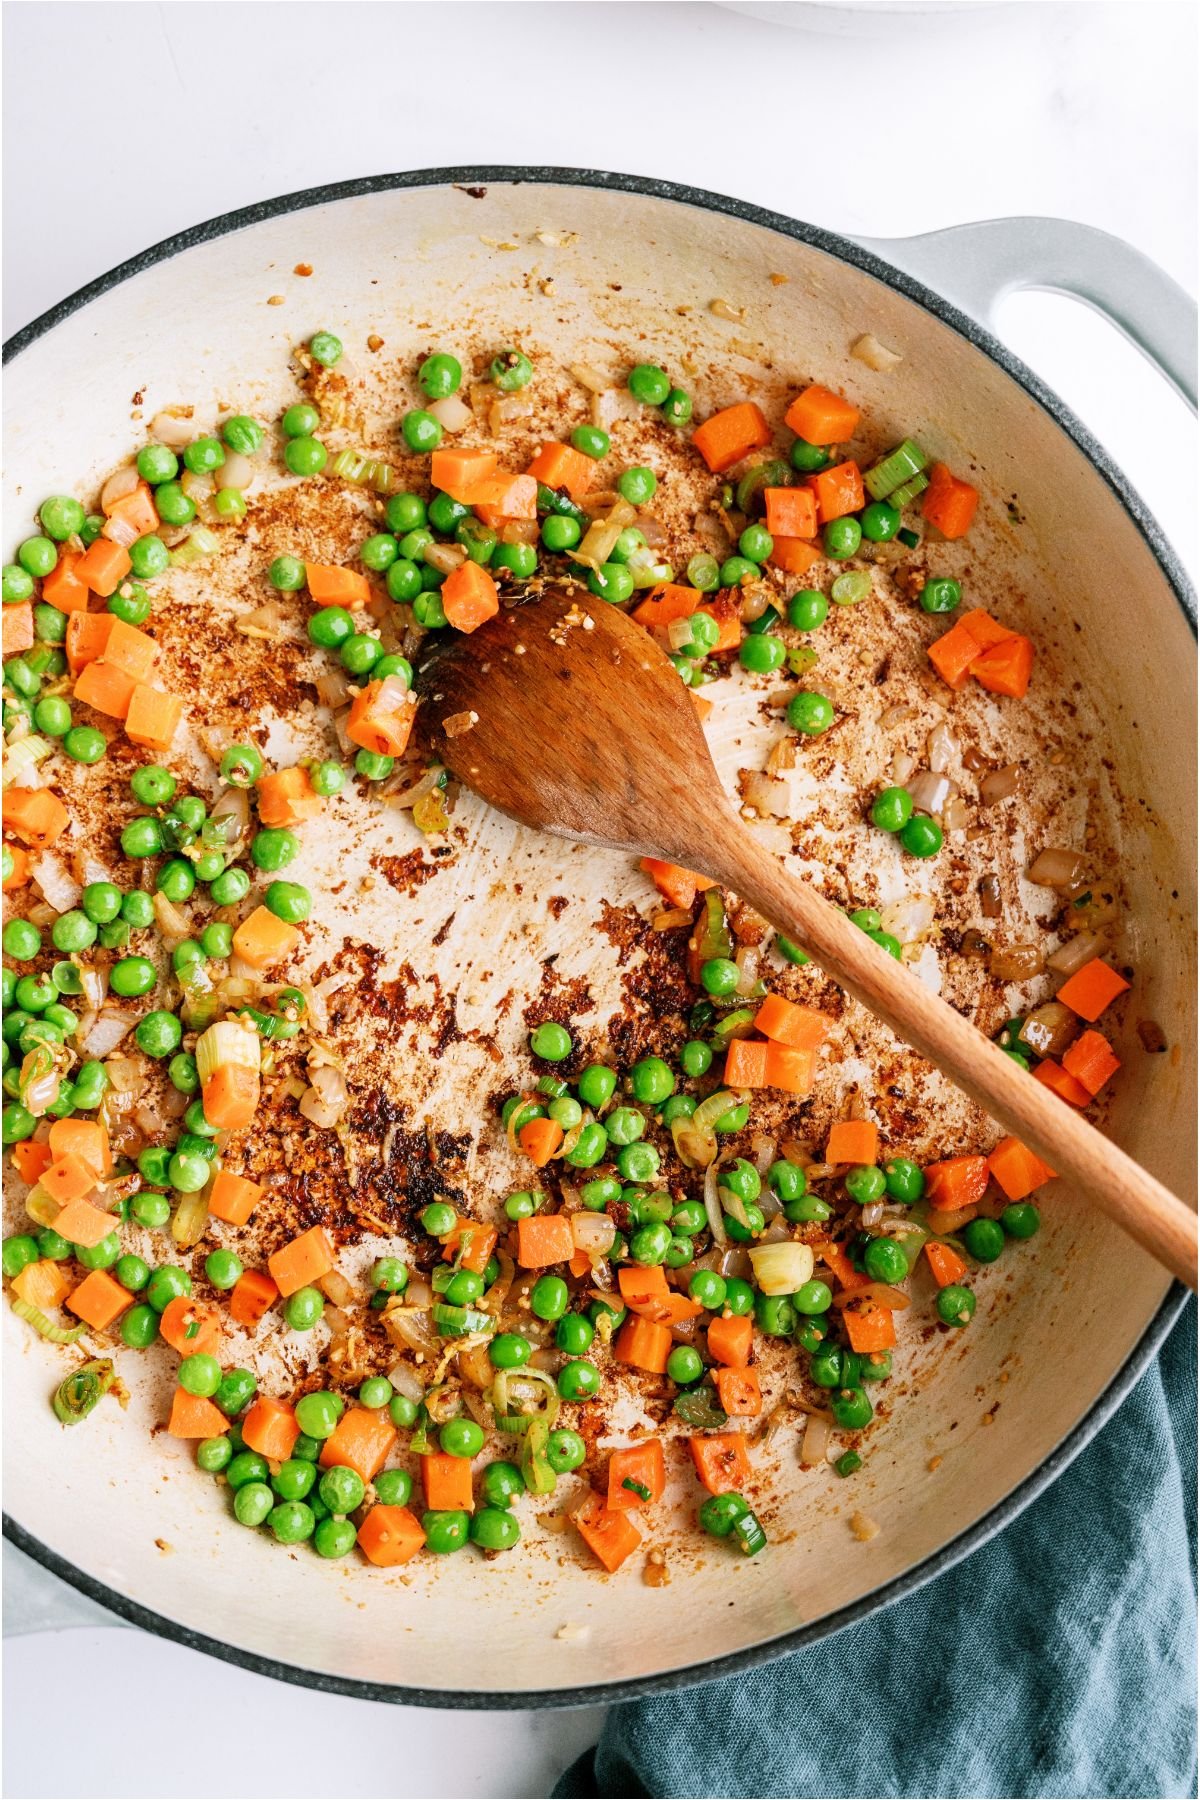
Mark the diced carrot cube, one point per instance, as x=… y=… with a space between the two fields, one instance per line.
x=1005 y=668
x=948 y=502
x=641 y=1464
x=230 y=1096
x=361 y=1440
x=791 y=1071
x=302 y=1261
x=721 y=1461
x=233 y=1197
x=106 y=689
x=539 y=1139
x=739 y=1392
x=35 y=814
x=730 y=1340
x=82 y=1223
x=746 y=1063
x=103 y=566
x=470 y=597
x=611 y=1536
x=1057 y=1079
x=447 y=1482
x=263 y=939
x=70 y=1178
x=803 y=1027
x=1091 y=989
x=136 y=511
x=98 y=1300
x=191 y=1326
x=254 y=1294
x=270 y=1428
x=153 y=717
x=30 y=1158
x=665 y=605
x=560 y=466
x=1015 y=1168
x=389 y=1536
x=499 y=498
x=679 y=886
x=130 y=650
x=16 y=628
x=87 y=638
x=841 y=1268
x=952 y=655
x=853 y=1141
x=381 y=727
x=795 y=556
x=956 y=1183
x=287 y=797
x=791 y=512
x=82 y=1137
x=947 y=1265
x=194 y=1417
x=64 y=587
x=330 y=585
x=643 y=1344
x=1091 y=1061
x=729 y=435
x=543 y=1240
x=869 y=1327
x=820 y=416
x=838 y=491
x=459 y=472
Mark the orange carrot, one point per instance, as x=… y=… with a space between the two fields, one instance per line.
x=539 y=1139
x=98 y=1300
x=642 y=1463
x=42 y=1284
x=731 y=434
x=721 y=1461
x=330 y=585
x=389 y=1536
x=82 y=1223
x=135 y=511
x=679 y=886
x=746 y=1063
x=503 y=496
x=130 y=650
x=795 y=556
x=1091 y=1061
x=381 y=719
x=739 y=1392
x=791 y=512
x=838 y=491
x=65 y=587
x=469 y=597
x=730 y=1339
x=459 y=472
x=984 y=629
x=725 y=610
x=947 y=1265
x=18 y=874
x=544 y=1239
x=17 y=628
x=841 y=1268
x=35 y=814
x=270 y=1428
x=644 y=1290
x=70 y=1178
x=1057 y=1079
x=791 y=1071
x=230 y=1096
x=82 y=1137
x=103 y=566
x=1016 y=1169
x=643 y=1344
x=476 y=1243
x=869 y=1328
x=803 y=1027
x=302 y=1261
x=87 y=636
x=1005 y=668
x=447 y=1482
x=609 y=1535
x=853 y=1141
x=106 y=689
x=820 y=416
x=948 y=502
x=559 y=466
x=262 y=938
x=1091 y=989
x=287 y=797
x=153 y=717
x=703 y=707
x=30 y=1159
x=253 y=1294
x=666 y=604
x=952 y=655
x=361 y=1440
x=194 y=1417
x=190 y=1326
x=956 y=1183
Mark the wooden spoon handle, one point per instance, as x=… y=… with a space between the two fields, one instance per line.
x=1151 y=1215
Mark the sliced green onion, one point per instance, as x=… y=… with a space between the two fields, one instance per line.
x=522 y=1396
x=849 y=589
x=704 y=572
x=849 y=1464
x=902 y=495
x=636 y=1487
x=22 y=758
x=899 y=466
x=461 y=1321
x=751 y=1538
x=762 y=475
x=766 y=621
x=697 y=1410
x=83 y=1389
x=910 y=539
x=535 y=1464
x=57 y=1334
x=196 y=546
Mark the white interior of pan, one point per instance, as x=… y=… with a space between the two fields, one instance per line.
x=127 y=1508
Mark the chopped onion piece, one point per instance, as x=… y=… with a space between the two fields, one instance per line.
x=815 y=1443
x=1018 y=962
x=122 y=483
x=1049 y=1028
x=1075 y=952
x=452 y=414
x=999 y=784
x=107 y=1032
x=930 y=792
x=58 y=887
x=782 y=1268
x=1056 y=868
x=868 y=349
x=941 y=748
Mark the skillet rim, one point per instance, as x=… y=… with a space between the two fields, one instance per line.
x=844 y=250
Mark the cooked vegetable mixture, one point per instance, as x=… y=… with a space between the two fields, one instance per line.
x=677 y=1226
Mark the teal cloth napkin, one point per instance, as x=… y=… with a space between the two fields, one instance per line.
x=1059 y=1659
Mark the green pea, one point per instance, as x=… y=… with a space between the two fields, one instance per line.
x=85 y=744
x=761 y=655
x=37 y=556
x=52 y=716
x=223 y=1268
x=200 y=1375
x=708 y=1288
x=591 y=441
x=880 y=522
x=519 y=560
x=139 y=1326
x=551 y=1041
x=637 y=486
x=325 y=348
x=719 y=976
x=22 y=940
x=213 y=1455
x=940 y=596
x=922 y=836
x=739 y=1296
x=317 y=1414
x=852 y=1409
x=19 y=1251
x=130 y=603
x=287 y=575
x=438 y=1219
x=18 y=583
x=137 y=909
x=842 y=538
x=503 y=1482
x=393 y=1487
x=560 y=533
x=61 y=517
x=892 y=809
x=651 y=1080
x=612 y=582
x=775 y=1315
x=243 y=434
x=102 y=1255
x=511 y=371
x=375 y=1392
x=304 y=1309
x=597 y=1085
x=245 y=1467
x=421 y=431
x=273 y=849
x=132 y=976
x=865 y=1184
x=308 y=455
x=685 y=1365
x=808 y=458
x=810 y=713
x=579 y=1380
x=549 y=1297
x=445 y=1532
x=677 y=407
x=461 y=1437
x=1021 y=1219
x=756 y=544
x=955 y=1305
x=984 y=1239
x=884 y=1260
x=300 y=420
x=573 y=1334
x=649 y=384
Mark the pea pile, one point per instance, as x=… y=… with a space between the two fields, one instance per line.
x=648 y=1247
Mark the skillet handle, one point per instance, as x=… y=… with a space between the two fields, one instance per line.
x=976 y=265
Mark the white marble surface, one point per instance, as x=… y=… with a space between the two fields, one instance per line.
x=169 y=114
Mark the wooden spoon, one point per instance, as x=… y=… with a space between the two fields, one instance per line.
x=564 y=714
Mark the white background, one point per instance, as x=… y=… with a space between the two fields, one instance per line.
x=125 y=123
